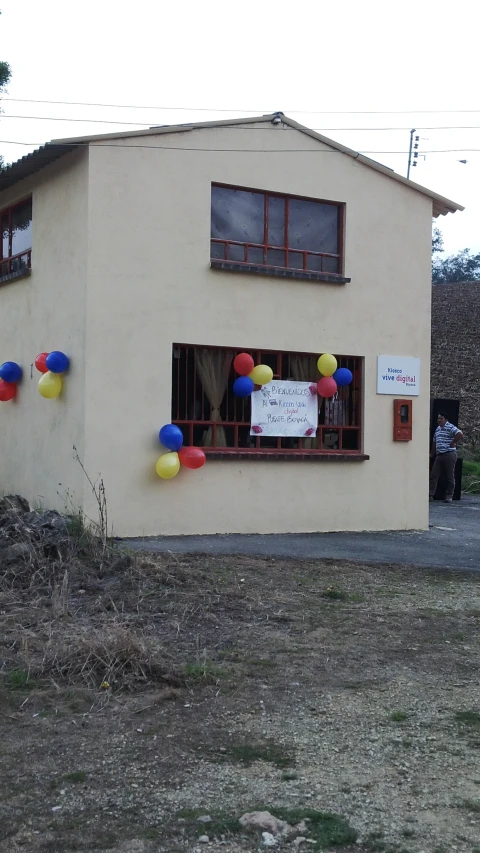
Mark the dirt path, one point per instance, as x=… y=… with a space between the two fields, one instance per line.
x=235 y=683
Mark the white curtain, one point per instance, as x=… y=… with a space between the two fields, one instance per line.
x=213 y=368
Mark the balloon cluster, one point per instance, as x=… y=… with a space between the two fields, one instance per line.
x=249 y=376
x=168 y=465
x=51 y=365
x=333 y=377
x=10 y=375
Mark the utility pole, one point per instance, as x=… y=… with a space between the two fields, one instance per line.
x=412 y=151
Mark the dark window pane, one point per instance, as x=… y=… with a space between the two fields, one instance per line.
x=315 y=263
x=5 y=237
x=290 y=444
x=225 y=436
x=244 y=437
x=331 y=265
x=295 y=261
x=255 y=255
x=236 y=253
x=238 y=215
x=268 y=441
x=22 y=227
x=270 y=359
x=19 y=264
x=4 y=269
x=351 y=439
x=312 y=226
x=217 y=250
x=330 y=439
x=275 y=258
x=276 y=221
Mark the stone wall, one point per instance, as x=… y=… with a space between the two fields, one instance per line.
x=455 y=365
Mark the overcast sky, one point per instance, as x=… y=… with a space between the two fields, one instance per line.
x=345 y=68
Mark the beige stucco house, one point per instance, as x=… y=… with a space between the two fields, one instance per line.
x=151 y=258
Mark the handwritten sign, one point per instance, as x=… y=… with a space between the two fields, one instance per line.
x=396 y=374
x=285 y=408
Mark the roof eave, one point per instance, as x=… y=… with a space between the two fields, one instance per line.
x=441 y=205
x=58 y=147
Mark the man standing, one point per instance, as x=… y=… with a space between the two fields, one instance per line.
x=444 y=449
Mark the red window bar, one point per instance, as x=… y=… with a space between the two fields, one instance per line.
x=278 y=252
x=211 y=416
x=15 y=249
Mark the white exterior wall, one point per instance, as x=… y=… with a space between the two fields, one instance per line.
x=150 y=285
x=45 y=312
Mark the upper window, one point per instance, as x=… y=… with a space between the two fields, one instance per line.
x=211 y=416
x=275 y=231
x=16 y=249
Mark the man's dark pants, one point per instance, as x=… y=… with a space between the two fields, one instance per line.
x=444 y=464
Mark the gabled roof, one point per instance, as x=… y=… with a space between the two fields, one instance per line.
x=52 y=151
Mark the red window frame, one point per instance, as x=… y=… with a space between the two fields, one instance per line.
x=191 y=409
x=10 y=263
x=266 y=246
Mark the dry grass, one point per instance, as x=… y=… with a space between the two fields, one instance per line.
x=343 y=673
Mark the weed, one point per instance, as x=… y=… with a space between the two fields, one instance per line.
x=206 y=671
x=269 y=751
x=335 y=594
x=76 y=777
x=19 y=679
x=221 y=823
x=469 y=718
x=327 y=829
x=471 y=477
x=262 y=663
x=470 y=805
x=150 y=833
x=98 y=491
x=398 y=716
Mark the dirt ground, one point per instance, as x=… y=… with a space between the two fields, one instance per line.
x=137 y=699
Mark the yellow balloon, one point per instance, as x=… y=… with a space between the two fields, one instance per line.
x=168 y=466
x=262 y=374
x=50 y=385
x=327 y=364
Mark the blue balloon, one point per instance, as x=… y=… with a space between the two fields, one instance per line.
x=171 y=437
x=57 y=362
x=10 y=371
x=243 y=386
x=343 y=376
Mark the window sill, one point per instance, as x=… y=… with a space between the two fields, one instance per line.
x=14 y=276
x=294 y=456
x=279 y=272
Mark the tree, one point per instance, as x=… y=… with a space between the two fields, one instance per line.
x=5 y=74
x=437 y=240
x=460 y=267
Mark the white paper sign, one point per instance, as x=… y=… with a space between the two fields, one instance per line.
x=398 y=375
x=285 y=408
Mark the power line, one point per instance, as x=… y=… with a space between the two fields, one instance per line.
x=231 y=150
x=232 y=127
x=223 y=110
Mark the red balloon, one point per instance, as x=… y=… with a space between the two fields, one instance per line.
x=8 y=390
x=327 y=386
x=40 y=362
x=243 y=363
x=192 y=457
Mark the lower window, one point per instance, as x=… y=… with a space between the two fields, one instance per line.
x=211 y=416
